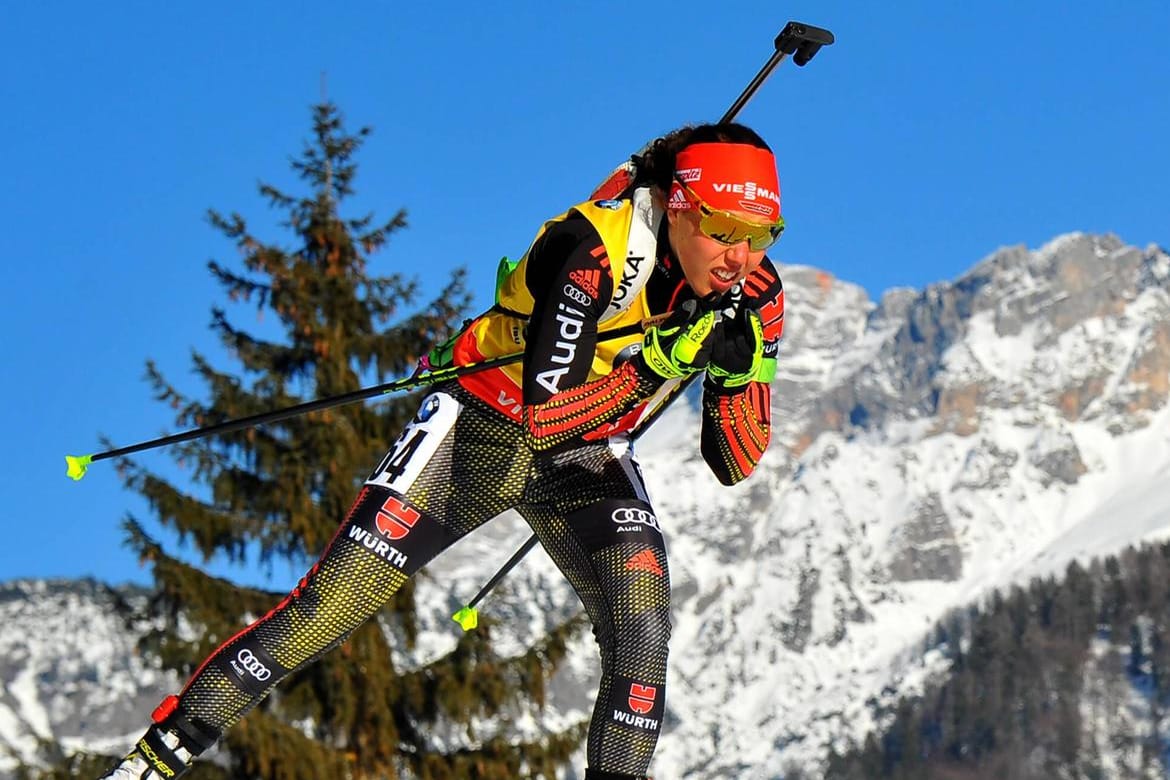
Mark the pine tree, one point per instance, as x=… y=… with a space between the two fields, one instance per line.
x=278 y=493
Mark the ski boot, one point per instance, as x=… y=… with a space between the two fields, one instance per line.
x=166 y=749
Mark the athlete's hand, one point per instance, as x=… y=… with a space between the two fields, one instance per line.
x=681 y=346
x=737 y=350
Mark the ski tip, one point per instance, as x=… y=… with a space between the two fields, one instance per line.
x=467 y=618
x=76 y=465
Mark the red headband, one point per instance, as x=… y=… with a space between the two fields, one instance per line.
x=729 y=177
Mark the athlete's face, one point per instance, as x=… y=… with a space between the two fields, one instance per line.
x=709 y=265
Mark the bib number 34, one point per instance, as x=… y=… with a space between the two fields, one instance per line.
x=417 y=444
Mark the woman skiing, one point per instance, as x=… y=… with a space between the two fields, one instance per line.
x=675 y=241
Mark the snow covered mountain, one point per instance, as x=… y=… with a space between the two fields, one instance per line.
x=69 y=668
x=927 y=448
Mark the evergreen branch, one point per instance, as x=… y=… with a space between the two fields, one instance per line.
x=355 y=225
x=325 y=163
x=232 y=226
x=240 y=288
x=375 y=239
x=259 y=356
x=210 y=529
x=232 y=399
x=276 y=198
x=397 y=349
x=192 y=414
x=258 y=257
x=164 y=391
x=268 y=501
x=138 y=541
x=386 y=294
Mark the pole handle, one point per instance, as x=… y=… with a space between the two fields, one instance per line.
x=798 y=40
x=802 y=41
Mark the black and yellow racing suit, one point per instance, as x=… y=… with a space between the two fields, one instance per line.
x=546 y=438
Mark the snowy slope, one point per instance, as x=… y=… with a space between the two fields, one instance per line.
x=928 y=447
x=70 y=670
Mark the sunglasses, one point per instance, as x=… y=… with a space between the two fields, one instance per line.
x=730 y=229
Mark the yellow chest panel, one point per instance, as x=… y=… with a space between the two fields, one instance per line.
x=501 y=330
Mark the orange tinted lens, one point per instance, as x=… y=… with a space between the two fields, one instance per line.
x=729 y=229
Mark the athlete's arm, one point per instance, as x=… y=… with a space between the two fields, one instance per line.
x=736 y=429
x=737 y=423
x=570 y=280
x=569 y=415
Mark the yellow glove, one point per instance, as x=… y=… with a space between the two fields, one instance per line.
x=681 y=346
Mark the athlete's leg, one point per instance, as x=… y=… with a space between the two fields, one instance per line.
x=446 y=475
x=589 y=509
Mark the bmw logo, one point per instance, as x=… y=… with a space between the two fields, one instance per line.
x=428 y=409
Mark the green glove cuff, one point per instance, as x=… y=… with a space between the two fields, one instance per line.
x=767 y=371
x=724 y=379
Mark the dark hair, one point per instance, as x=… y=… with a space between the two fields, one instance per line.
x=655 y=163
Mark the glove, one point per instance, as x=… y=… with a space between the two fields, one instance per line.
x=681 y=346
x=737 y=351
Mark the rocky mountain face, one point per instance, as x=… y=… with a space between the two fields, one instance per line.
x=927 y=448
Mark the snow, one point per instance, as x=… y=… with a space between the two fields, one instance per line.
x=1133 y=505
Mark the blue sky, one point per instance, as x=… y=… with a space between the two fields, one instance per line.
x=929 y=135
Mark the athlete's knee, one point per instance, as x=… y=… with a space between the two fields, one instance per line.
x=646 y=632
x=249 y=666
x=629 y=569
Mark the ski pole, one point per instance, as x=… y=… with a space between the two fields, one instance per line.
x=77 y=465
x=801 y=42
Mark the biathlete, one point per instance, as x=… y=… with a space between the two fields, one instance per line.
x=675 y=237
